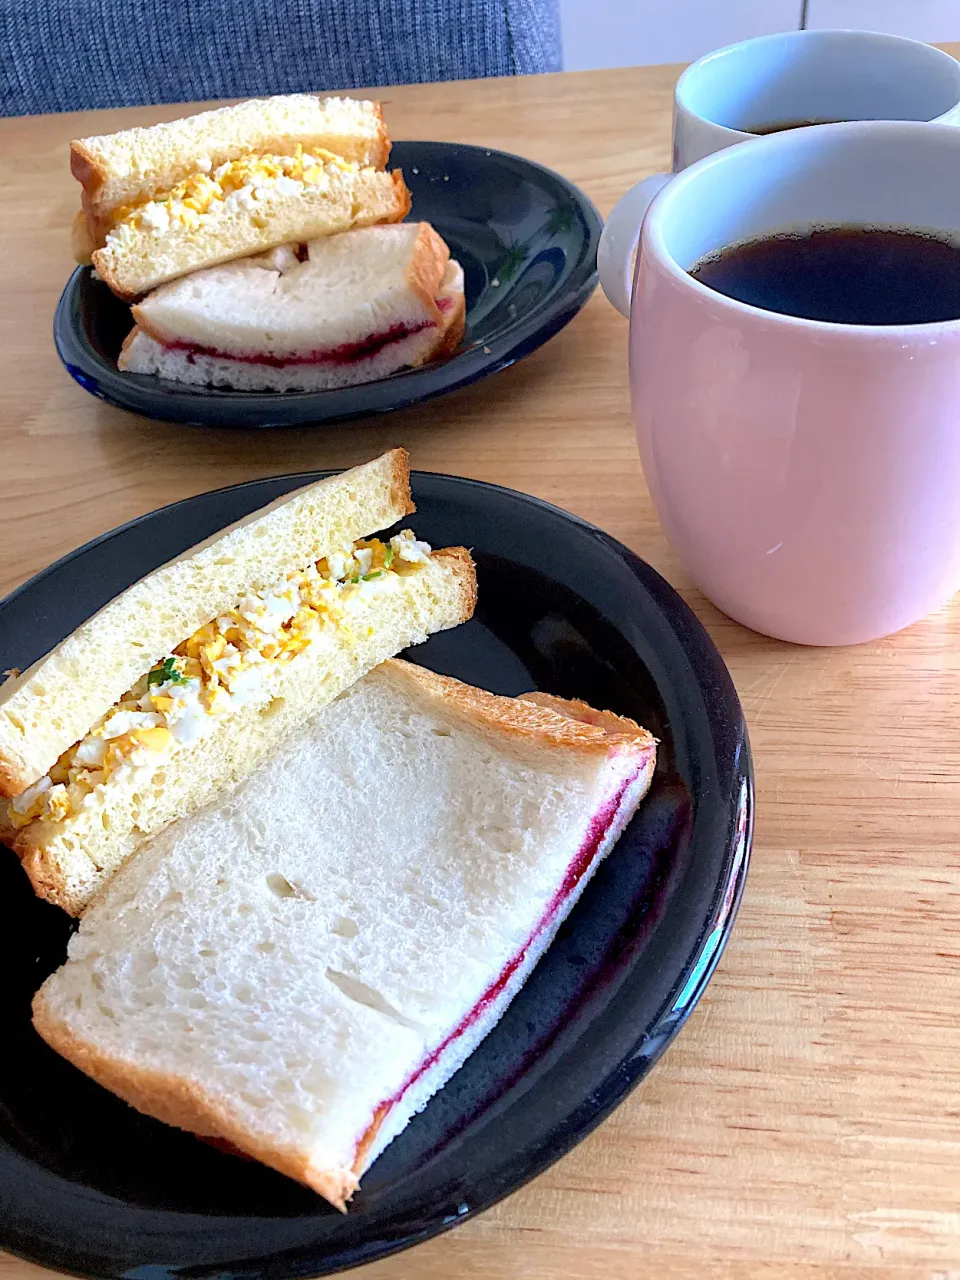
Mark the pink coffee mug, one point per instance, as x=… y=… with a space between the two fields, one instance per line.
x=807 y=473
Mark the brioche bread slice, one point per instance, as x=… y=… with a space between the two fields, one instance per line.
x=361 y=305
x=301 y=965
x=136 y=165
x=51 y=706
x=69 y=860
x=163 y=240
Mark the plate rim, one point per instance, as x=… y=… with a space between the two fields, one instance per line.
x=685 y=992
x=212 y=407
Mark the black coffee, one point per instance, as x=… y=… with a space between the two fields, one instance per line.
x=780 y=125
x=848 y=275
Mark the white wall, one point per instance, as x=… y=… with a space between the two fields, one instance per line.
x=617 y=33
x=930 y=20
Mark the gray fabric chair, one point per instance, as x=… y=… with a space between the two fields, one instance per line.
x=65 y=55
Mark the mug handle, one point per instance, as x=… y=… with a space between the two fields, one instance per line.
x=619 y=239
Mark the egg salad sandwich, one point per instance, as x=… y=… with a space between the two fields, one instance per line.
x=299 y=966
x=184 y=682
x=345 y=309
x=160 y=202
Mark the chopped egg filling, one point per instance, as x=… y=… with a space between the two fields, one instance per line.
x=244 y=182
x=224 y=665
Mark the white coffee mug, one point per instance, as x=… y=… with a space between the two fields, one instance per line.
x=797 y=76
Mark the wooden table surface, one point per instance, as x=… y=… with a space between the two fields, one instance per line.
x=806 y=1123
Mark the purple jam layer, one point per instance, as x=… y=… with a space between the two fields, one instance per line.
x=347 y=353
x=600 y=825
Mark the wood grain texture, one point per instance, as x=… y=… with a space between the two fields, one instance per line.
x=806 y=1124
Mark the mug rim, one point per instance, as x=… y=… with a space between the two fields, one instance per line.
x=804 y=36
x=652 y=237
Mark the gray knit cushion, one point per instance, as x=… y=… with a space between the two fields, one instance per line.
x=64 y=55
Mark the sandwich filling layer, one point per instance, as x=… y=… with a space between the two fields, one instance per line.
x=597 y=831
x=219 y=668
x=243 y=183
x=347 y=353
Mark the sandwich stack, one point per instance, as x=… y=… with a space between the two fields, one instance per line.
x=311 y=876
x=183 y=683
x=260 y=244
x=299 y=968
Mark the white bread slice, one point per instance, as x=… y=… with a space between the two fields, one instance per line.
x=134 y=165
x=427 y=339
x=152 y=247
x=68 y=861
x=51 y=706
x=291 y=969
x=350 y=286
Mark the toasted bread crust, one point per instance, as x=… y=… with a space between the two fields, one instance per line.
x=81 y=241
x=460 y=562
x=400 y=480
x=381 y=155
x=8 y=833
x=84 y=167
x=185 y=1105
x=13 y=779
x=531 y=724
x=404 y=198
x=91 y=175
x=424 y=273
x=613 y=725
x=49 y=879
x=454 y=324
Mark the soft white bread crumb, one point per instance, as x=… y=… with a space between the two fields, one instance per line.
x=138 y=258
x=51 y=706
x=137 y=164
x=276 y=968
x=68 y=861
x=142 y=354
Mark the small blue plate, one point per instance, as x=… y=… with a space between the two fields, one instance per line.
x=527 y=241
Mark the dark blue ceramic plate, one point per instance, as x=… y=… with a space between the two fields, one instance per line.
x=88 y=1185
x=527 y=240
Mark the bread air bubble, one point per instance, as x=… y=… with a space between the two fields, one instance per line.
x=280 y=885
